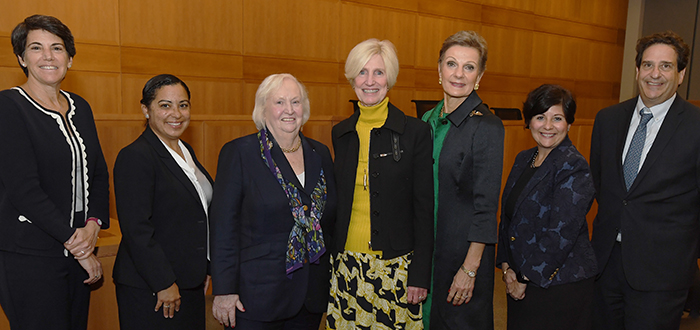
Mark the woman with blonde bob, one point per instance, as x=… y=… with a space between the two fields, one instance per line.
x=468 y=153
x=383 y=237
x=273 y=198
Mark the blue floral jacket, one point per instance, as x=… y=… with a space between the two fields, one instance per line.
x=548 y=233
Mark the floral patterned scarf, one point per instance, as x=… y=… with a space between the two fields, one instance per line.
x=305 y=242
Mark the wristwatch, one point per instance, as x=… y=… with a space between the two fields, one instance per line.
x=97 y=221
x=469 y=273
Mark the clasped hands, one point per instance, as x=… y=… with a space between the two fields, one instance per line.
x=513 y=288
x=81 y=245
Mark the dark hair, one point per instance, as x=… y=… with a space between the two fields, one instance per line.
x=546 y=96
x=154 y=84
x=40 y=22
x=467 y=39
x=668 y=38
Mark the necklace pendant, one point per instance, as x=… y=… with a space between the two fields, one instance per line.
x=364 y=179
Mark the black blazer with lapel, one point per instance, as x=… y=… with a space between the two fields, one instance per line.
x=163 y=223
x=250 y=226
x=658 y=216
x=401 y=189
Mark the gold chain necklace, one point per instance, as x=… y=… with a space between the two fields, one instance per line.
x=291 y=150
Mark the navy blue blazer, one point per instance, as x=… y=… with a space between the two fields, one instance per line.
x=548 y=233
x=250 y=225
x=163 y=223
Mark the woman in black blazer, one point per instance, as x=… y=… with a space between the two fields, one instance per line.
x=273 y=199
x=162 y=195
x=384 y=234
x=54 y=186
x=543 y=248
x=468 y=153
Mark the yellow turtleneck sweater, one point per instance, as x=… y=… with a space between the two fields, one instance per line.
x=359 y=231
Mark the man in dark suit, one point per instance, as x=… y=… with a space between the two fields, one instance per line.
x=645 y=161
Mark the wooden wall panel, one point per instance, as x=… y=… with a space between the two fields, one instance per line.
x=410 y=5
x=7 y=57
x=512 y=5
x=258 y=68
x=205 y=25
x=431 y=32
x=510 y=50
x=157 y=61
x=598 y=12
x=507 y=17
x=320 y=130
x=451 y=8
x=554 y=56
x=11 y=76
x=94 y=57
x=296 y=35
x=218 y=133
x=322 y=98
x=401 y=98
x=359 y=23
x=101 y=90
x=93 y=21
x=593 y=64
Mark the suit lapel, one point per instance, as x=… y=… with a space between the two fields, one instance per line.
x=668 y=128
x=312 y=167
x=170 y=163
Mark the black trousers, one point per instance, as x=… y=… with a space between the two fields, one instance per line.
x=617 y=306
x=304 y=320
x=137 y=310
x=43 y=292
x=566 y=306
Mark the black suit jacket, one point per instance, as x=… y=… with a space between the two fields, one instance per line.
x=163 y=223
x=401 y=189
x=658 y=216
x=251 y=222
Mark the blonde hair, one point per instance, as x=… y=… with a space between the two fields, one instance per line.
x=361 y=54
x=467 y=39
x=270 y=85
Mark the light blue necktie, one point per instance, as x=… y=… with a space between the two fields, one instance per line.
x=631 y=165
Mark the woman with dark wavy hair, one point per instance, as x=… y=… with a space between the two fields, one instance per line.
x=54 y=196
x=543 y=248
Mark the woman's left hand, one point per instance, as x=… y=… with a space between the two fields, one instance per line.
x=415 y=295
x=461 y=288
x=83 y=241
x=170 y=300
x=93 y=267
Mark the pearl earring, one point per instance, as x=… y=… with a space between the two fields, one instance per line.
x=147 y=116
x=440 y=80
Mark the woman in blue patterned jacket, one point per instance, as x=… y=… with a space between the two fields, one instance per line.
x=544 y=248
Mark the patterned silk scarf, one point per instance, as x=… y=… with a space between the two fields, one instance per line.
x=306 y=239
